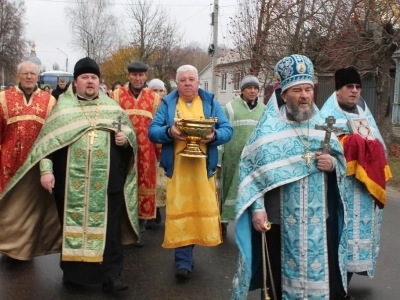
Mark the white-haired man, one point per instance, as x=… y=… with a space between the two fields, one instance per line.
x=84 y=153
x=23 y=109
x=192 y=215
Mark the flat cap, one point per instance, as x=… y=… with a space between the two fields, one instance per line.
x=137 y=66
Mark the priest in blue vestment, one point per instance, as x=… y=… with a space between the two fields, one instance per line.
x=286 y=179
x=367 y=170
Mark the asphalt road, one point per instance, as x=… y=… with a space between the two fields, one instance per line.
x=149 y=271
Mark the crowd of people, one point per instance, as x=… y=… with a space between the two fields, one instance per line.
x=86 y=169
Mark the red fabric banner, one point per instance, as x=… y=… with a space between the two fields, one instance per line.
x=367 y=161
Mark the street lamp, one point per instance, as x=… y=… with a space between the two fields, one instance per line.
x=66 y=60
x=52 y=64
x=396 y=99
x=88 y=33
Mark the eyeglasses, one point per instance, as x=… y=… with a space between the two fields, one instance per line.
x=353 y=86
x=28 y=74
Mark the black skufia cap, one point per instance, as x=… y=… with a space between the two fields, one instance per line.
x=346 y=76
x=86 y=65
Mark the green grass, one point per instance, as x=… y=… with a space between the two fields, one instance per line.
x=394 y=164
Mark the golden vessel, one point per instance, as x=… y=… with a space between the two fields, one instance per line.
x=194 y=130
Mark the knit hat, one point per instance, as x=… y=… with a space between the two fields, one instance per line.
x=249 y=80
x=137 y=66
x=293 y=70
x=155 y=82
x=86 y=65
x=346 y=76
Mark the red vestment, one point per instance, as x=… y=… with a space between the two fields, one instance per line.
x=20 y=124
x=141 y=111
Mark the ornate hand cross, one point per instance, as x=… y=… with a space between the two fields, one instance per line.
x=119 y=123
x=328 y=128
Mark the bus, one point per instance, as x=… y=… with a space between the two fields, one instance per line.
x=50 y=78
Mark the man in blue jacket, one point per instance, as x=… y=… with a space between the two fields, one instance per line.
x=192 y=214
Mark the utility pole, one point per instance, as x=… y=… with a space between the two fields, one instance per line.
x=88 y=46
x=66 y=60
x=214 y=23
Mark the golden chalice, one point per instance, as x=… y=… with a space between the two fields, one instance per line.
x=194 y=130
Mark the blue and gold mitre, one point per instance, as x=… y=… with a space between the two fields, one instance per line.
x=294 y=69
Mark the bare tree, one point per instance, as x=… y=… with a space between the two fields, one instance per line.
x=191 y=54
x=366 y=37
x=333 y=33
x=154 y=36
x=13 y=47
x=152 y=28
x=94 y=27
x=259 y=33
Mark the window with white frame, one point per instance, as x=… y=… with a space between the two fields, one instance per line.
x=223 y=82
x=206 y=85
x=237 y=78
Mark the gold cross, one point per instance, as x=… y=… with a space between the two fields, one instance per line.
x=75 y=215
x=100 y=154
x=92 y=135
x=96 y=216
x=97 y=186
x=37 y=108
x=17 y=108
x=307 y=156
x=76 y=184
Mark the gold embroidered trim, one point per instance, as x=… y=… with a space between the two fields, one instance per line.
x=25 y=118
x=139 y=112
x=73 y=235
x=3 y=104
x=46 y=166
x=95 y=236
x=146 y=191
x=82 y=258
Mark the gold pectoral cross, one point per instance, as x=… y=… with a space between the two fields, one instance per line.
x=307 y=156
x=92 y=135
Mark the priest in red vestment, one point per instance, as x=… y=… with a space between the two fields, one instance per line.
x=141 y=103
x=23 y=109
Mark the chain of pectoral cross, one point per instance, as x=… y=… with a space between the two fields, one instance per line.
x=92 y=134
x=307 y=156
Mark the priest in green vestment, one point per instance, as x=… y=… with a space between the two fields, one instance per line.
x=243 y=113
x=86 y=153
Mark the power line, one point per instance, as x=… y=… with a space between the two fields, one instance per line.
x=131 y=4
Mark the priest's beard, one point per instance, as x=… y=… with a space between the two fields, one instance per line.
x=300 y=114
